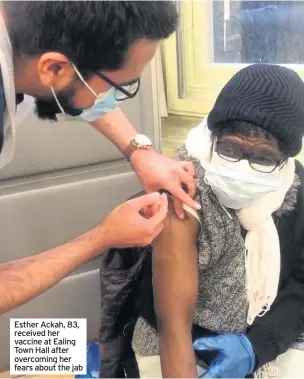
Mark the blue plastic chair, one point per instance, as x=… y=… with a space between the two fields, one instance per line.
x=93 y=361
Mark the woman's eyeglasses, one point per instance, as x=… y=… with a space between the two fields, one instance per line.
x=122 y=92
x=233 y=153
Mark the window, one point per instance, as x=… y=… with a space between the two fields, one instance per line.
x=217 y=38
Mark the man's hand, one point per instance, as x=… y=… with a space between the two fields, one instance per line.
x=235 y=359
x=126 y=226
x=157 y=172
x=23 y=279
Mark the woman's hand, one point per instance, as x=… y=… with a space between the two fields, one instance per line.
x=235 y=359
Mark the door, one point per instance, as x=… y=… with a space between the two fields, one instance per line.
x=64 y=179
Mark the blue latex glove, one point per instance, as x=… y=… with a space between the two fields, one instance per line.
x=93 y=361
x=235 y=359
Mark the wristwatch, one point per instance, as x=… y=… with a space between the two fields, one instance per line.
x=138 y=142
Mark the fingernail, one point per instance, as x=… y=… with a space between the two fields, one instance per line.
x=197 y=206
x=181 y=216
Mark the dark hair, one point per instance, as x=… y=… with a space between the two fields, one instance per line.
x=94 y=35
x=246 y=129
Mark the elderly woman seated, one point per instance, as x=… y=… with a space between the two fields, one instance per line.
x=229 y=278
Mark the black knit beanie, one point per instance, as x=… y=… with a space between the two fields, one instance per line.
x=268 y=96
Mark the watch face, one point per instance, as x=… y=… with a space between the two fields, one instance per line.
x=143 y=140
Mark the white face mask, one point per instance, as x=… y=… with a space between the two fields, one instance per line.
x=237 y=184
x=105 y=103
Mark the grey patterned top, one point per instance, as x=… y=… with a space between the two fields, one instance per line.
x=222 y=302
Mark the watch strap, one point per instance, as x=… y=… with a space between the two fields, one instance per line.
x=130 y=149
x=133 y=145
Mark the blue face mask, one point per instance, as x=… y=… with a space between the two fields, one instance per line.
x=105 y=103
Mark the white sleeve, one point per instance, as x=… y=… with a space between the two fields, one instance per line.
x=192 y=212
x=24 y=109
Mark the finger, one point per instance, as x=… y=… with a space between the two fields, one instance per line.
x=154 y=208
x=181 y=195
x=160 y=216
x=178 y=208
x=189 y=167
x=157 y=231
x=154 y=235
x=189 y=181
x=145 y=200
x=191 y=185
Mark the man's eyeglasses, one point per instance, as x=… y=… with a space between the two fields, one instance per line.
x=122 y=92
x=233 y=153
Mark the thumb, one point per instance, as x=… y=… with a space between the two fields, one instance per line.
x=145 y=200
x=209 y=343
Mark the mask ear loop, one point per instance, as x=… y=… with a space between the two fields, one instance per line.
x=283 y=161
x=57 y=101
x=209 y=184
x=214 y=139
x=213 y=144
x=84 y=82
x=212 y=151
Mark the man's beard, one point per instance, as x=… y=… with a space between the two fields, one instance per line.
x=46 y=109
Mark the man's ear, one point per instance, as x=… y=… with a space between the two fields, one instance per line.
x=55 y=69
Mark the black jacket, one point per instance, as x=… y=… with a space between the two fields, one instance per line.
x=126 y=292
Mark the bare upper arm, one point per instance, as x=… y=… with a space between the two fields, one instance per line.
x=176 y=230
x=174 y=265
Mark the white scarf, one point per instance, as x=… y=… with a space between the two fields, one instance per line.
x=262 y=246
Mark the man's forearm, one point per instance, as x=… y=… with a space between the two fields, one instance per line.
x=116 y=128
x=23 y=279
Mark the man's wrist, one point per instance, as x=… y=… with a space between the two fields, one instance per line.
x=141 y=154
x=97 y=239
x=139 y=142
